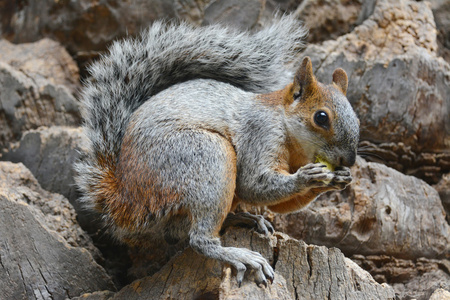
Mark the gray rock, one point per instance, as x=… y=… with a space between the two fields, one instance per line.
x=26 y=103
x=49 y=153
x=40 y=251
x=381 y=212
x=86 y=27
x=235 y=13
x=44 y=59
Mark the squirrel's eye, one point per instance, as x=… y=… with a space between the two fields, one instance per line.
x=321 y=118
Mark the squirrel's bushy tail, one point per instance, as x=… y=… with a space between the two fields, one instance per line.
x=136 y=69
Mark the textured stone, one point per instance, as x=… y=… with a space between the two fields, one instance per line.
x=328 y=19
x=441 y=11
x=40 y=251
x=397 y=84
x=235 y=13
x=299 y=274
x=44 y=59
x=443 y=188
x=26 y=103
x=411 y=279
x=381 y=212
x=86 y=27
x=49 y=153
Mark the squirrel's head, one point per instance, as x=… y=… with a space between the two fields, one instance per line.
x=320 y=118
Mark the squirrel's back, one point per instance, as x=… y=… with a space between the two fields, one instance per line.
x=136 y=69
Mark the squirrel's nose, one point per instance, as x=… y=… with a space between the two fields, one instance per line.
x=348 y=159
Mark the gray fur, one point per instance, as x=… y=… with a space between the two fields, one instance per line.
x=186 y=98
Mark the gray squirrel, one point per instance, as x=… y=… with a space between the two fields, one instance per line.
x=184 y=123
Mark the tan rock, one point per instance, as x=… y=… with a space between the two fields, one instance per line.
x=381 y=212
x=299 y=274
x=44 y=59
x=398 y=85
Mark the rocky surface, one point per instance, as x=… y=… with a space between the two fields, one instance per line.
x=382 y=212
x=329 y=19
x=398 y=84
x=41 y=245
x=396 y=54
x=416 y=279
x=297 y=265
x=32 y=90
x=48 y=152
x=42 y=60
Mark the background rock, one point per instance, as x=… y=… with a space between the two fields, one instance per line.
x=39 y=243
x=44 y=59
x=328 y=19
x=381 y=212
x=416 y=279
x=441 y=11
x=49 y=153
x=235 y=13
x=398 y=85
x=26 y=103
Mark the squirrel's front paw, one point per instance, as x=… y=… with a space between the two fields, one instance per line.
x=314 y=176
x=342 y=177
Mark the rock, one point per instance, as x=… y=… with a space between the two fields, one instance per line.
x=235 y=13
x=17 y=183
x=397 y=84
x=440 y=294
x=40 y=251
x=381 y=212
x=441 y=11
x=411 y=279
x=443 y=188
x=86 y=27
x=27 y=103
x=302 y=272
x=49 y=153
x=44 y=59
x=328 y=19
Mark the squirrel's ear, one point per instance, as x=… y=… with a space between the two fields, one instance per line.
x=341 y=80
x=304 y=77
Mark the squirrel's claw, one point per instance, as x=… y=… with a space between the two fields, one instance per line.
x=246 y=219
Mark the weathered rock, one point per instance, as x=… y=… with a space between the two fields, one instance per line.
x=49 y=153
x=443 y=188
x=235 y=13
x=39 y=243
x=44 y=59
x=397 y=84
x=440 y=294
x=26 y=103
x=381 y=212
x=416 y=279
x=441 y=11
x=86 y=27
x=302 y=272
x=328 y=19
x=17 y=183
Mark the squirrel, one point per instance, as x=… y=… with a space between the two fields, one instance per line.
x=183 y=123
